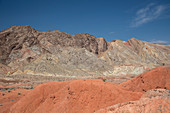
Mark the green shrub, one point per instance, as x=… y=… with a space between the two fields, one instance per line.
x=104 y=80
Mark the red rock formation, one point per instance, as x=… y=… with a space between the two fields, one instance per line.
x=156 y=98
x=79 y=96
x=154 y=101
x=154 y=79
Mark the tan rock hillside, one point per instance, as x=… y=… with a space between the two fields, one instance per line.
x=28 y=51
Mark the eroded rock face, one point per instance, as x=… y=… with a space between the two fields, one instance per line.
x=22 y=48
x=16 y=42
x=66 y=62
x=15 y=38
x=153 y=101
x=137 y=52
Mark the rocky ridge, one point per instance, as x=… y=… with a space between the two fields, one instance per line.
x=55 y=53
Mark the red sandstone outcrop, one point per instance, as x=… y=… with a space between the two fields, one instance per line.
x=78 y=96
x=153 y=101
x=156 y=98
x=154 y=79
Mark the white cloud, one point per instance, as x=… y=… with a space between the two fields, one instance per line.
x=147 y=14
x=159 y=42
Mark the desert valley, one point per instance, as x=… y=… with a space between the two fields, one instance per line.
x=55 y=72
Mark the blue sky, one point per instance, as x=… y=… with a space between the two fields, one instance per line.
x=147 y=20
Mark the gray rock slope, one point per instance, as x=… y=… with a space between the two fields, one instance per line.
x=55 y=53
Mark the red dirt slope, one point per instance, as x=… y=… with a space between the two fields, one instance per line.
x=153 y=101
x=78 y=96
x=7 y=99
x=154 y=79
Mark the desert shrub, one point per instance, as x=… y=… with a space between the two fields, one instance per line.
x=104 y=80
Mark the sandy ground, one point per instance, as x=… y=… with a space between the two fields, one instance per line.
x=10 y=97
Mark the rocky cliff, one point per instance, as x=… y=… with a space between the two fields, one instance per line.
x=28 y=51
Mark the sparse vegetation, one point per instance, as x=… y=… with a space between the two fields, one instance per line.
x=104 y=80
x=12 y=100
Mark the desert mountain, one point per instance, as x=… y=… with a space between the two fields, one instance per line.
x=55 y=53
